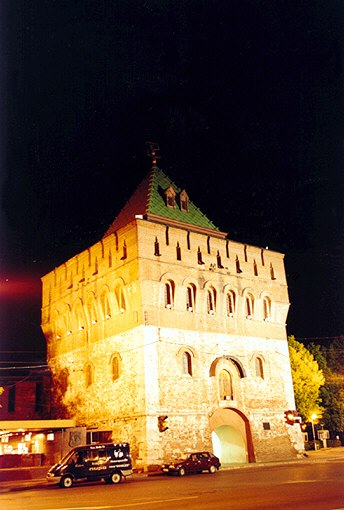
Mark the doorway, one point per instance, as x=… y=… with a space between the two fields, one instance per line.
x=229 y=445
x=231 y=437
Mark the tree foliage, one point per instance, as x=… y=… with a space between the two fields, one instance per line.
x=307 y=380
x=331 y=360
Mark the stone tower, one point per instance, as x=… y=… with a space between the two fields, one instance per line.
x=167 y=317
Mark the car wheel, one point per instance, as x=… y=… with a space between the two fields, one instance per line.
x=181 y=471
x=66 y=482
x=116 y=477
x=212 y=469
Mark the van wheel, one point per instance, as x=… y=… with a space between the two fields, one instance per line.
x=116 y=477
x=181 y=471
x=66 y=482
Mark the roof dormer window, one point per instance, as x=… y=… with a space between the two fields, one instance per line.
x=170 y=197
x=184 y=201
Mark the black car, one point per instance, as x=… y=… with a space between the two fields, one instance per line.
x=195 y=462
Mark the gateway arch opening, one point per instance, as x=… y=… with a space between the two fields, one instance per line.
x=231 y=436
x=229 y=445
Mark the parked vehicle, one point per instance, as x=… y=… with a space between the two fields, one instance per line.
x=196 y=462
x=108 y=461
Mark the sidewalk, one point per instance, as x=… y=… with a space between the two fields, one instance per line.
x=33 y=478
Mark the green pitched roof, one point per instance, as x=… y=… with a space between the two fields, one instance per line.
x=149 y=201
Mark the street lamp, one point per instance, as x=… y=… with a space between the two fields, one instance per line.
x=314 y=417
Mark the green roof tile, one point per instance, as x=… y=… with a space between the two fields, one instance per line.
x=149 y=199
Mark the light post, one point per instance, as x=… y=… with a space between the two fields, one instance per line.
x=314 y=417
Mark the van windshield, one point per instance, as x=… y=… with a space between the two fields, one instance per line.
x=67 y=457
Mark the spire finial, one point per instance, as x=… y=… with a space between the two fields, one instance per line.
x=153 y=151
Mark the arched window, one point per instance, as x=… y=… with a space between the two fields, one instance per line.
x=79 y=316
x=187 y=363
x=231 y=303
x=211 y=301
x=115 y=367
x=225 y=385
x=259 y=368
x=191 y=297
x=58 y=324
x=169 y=294
x=67 y=320
x=119 y=293
x=88 y=375
x=104 y=301
x=267 y=309
x=92 y=311
x=249 y=303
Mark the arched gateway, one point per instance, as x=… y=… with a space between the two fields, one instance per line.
x=231 y=437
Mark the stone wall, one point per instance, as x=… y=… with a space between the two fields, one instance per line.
x=111 y=301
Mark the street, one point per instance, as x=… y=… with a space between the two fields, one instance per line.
x=316 y=486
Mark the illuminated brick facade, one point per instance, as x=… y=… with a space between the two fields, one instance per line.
x=165 y=316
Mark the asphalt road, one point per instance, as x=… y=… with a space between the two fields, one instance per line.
x=316 y=486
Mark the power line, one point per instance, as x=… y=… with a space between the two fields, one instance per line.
x=337 y=337
x=27 y=366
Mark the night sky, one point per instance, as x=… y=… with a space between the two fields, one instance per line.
x=245 y=99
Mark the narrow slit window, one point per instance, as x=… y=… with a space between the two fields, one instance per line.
x=188 y=241
x=262 y=257
x=156 y=248
x=255 y=268
x=237 y=265
x=272 y=272
x=167 y=236
x=178 y=252
x=199 y=256
x=125 y=254
x=218 y=260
